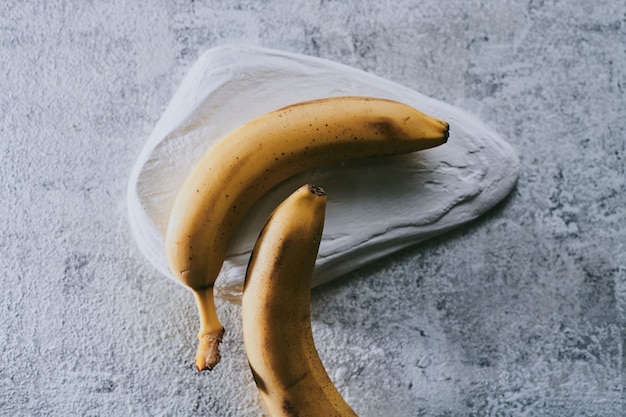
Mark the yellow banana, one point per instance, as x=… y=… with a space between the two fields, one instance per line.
x=252 y=159
x=276 y=316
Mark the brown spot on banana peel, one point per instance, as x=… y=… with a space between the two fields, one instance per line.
x=289 y=409
x=386 y=126
x=389 y=127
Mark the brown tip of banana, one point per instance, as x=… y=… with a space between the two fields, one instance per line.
x=317 y=190
x=208 y=353
x=446 y=134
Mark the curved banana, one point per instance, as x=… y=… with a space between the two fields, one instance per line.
x=276 y=316
x=252 y=159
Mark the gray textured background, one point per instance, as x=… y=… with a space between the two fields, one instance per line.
x=520 y=313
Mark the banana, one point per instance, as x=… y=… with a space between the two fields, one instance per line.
x=276 y=318
x=250 y=160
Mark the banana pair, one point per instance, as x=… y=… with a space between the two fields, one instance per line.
x=225 y=184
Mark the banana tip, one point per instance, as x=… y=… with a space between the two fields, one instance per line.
x=208 y=353
x=446 y=133
x=317 y=190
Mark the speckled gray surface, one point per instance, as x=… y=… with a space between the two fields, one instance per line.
x=521 y=313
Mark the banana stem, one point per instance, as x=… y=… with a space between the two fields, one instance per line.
x=211 y=331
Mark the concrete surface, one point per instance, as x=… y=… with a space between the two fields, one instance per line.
x=520 y=313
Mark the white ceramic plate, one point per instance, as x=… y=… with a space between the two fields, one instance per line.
x=375 y=206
